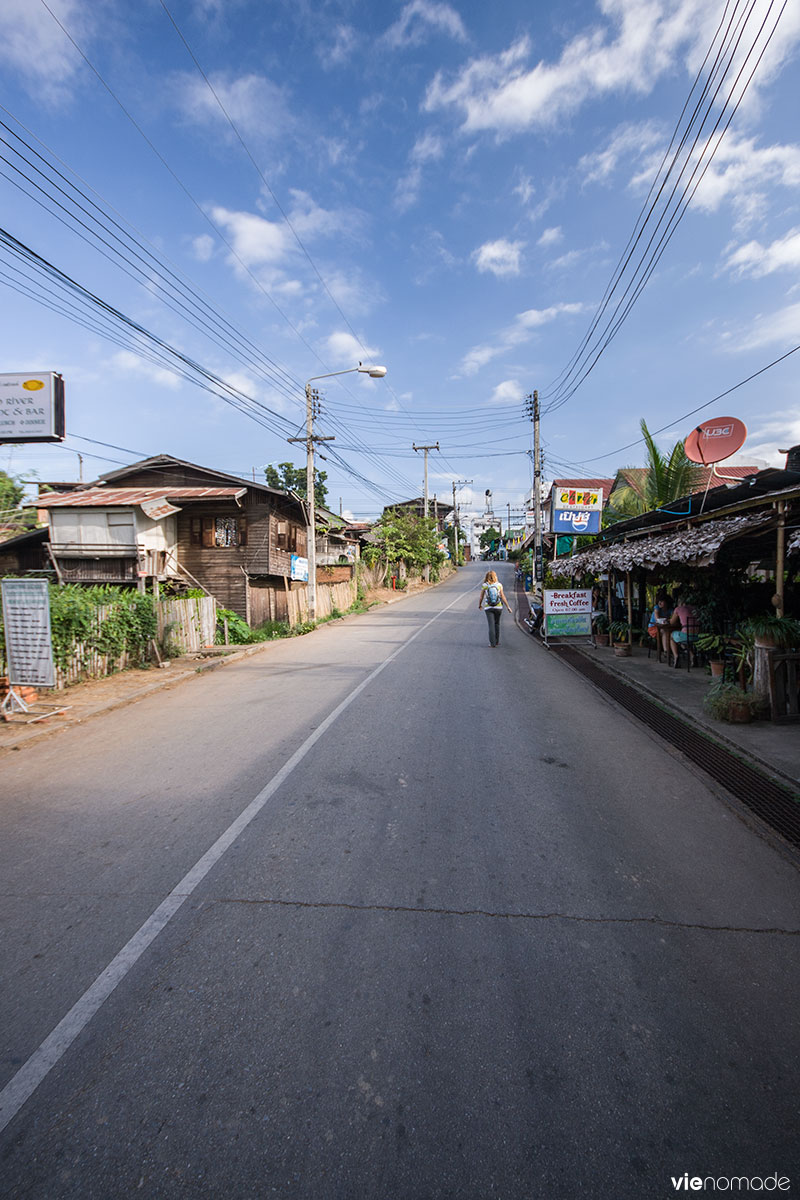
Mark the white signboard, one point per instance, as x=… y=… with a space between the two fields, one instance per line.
x=26 y=619
x=568 y=612
x=31 y=407
x=299 y=568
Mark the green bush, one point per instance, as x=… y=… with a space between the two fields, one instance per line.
x=126 y=627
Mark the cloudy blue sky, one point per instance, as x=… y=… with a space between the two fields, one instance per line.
x=597 y=200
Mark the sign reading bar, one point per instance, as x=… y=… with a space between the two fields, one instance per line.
x=26 y=618
x=32 y=407
x=568 y=612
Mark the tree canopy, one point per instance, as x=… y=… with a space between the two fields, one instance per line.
x=402 y=536
x=666 y=478
x=13 y=519
x=293 y=479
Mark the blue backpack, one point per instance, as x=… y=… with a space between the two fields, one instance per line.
x=493 y=595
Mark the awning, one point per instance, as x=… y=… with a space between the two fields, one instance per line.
x=696 y=547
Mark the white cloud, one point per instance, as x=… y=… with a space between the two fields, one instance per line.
x=255 y=240
x=508 y=392
x=425 y=149
x=634 y=44
x=256 y=106
x=203 y=247
x=629 y=141
x=344 y=351
x=132 y=364
x=341 y=48
x=551 y=237
x=743 y=174
x=500 y=257
x=779 y=329
x=420 y=18
x=766 y=439
x=525 y=189
x=755 y=260
x=520 y=331
x=36 y=52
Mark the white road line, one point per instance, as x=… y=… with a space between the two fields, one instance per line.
x=22 y=1085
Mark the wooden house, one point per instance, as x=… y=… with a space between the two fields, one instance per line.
x=242 y=542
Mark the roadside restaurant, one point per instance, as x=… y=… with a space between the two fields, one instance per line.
x=733 y=552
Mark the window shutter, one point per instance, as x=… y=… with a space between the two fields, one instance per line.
x=208 y=532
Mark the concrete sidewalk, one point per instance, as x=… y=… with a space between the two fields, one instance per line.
x=772 y=747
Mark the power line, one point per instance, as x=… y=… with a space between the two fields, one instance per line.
x=588 y=354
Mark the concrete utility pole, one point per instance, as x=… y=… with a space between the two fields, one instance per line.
x=425 y=501
x=456 y=523
x=532 y=409
x=425 y=449
x=312 y=410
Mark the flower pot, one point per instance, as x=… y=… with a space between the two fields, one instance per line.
x=622 y=650
x=717 y=669
x=601 y=639
x=740 y=714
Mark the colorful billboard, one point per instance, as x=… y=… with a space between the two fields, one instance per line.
x=567 y=497
x=575 y=520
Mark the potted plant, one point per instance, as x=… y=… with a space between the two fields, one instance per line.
x=620 y=636
x=727 y=702
x=770 y=630
x=713 y=644
x=600 y=627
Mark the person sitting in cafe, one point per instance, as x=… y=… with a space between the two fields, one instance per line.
x=683 y=627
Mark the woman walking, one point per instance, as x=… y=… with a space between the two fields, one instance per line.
x=492 y=599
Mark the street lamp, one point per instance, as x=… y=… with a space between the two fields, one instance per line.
x=311 y=529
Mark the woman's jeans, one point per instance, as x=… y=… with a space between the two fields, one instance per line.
x=493 y=617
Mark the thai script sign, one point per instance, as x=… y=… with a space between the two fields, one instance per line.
x=576 y=520
x=26 y=618
x=299 y=568
x=568 y=612
x=31 y=407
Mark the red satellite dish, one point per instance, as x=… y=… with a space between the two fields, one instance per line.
x=715 y=440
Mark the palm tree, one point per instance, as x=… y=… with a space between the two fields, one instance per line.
x=664 y=479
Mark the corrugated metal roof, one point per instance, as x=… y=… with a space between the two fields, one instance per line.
x=120 y=497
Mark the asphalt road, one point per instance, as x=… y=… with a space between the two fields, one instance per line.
x=477 y=935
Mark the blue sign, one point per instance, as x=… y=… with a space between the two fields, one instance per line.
x=576 y=520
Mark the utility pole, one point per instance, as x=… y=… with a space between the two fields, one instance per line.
x=532 y=409
x=456 y=523
x=425 y=449
x=425 y=501
x=312 y=410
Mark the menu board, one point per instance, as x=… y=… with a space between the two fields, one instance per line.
x=26 y=619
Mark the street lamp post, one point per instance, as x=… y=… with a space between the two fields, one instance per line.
x=309 y=439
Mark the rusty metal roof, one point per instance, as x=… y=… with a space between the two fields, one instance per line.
x=103 y=497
